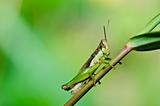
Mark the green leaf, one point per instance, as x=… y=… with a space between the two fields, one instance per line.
x=154 y=22
x=145 y=42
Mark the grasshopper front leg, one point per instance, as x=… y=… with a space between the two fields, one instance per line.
x=107 y=61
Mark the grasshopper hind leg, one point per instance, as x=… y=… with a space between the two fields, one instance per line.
x=94 y=80
x=107 y=61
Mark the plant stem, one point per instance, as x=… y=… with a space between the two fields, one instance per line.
x=75 y=98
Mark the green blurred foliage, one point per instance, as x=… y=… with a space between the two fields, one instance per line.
x=39 y=40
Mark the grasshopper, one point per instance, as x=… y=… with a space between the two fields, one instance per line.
x=97 y=61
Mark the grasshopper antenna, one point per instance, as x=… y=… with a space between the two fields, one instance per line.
x=104 y=29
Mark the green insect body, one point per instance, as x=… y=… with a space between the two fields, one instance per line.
x=97 y=60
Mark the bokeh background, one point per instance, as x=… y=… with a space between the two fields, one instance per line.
x=43 y=44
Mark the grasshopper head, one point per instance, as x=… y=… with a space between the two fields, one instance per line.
x=104 y=46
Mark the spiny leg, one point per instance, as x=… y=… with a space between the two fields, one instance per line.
x=92 y=76
x=92 y=73
x=107 y=61
x=99 y=82
x=94 y=80
x=120 y=62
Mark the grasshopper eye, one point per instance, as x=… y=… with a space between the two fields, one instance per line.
x=105 y=44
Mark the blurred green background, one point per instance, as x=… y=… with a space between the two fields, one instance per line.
x=43 y=44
